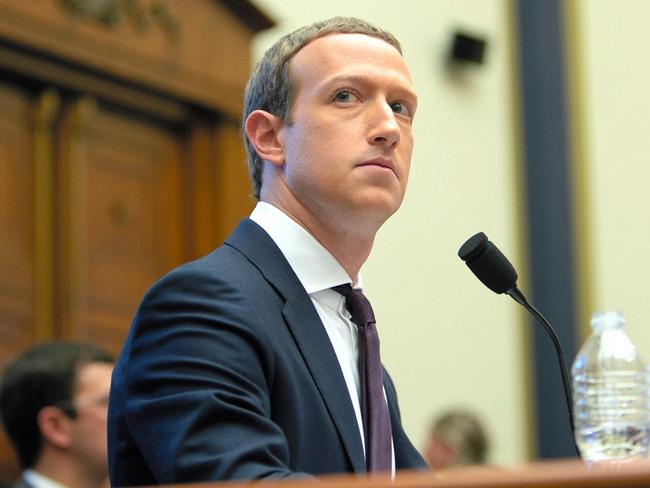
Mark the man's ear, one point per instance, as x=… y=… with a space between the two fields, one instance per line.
x=54 y=426
x=264 y=132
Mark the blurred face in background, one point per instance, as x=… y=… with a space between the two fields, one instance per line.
x=88 y=428
x=439 y=454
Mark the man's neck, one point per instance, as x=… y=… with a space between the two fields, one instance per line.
x=349 y=244
x=63 y=470
x=350 y=250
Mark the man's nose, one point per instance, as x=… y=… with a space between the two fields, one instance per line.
x=383 y=125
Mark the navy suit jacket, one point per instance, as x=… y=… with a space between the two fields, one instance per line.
x=228 y=373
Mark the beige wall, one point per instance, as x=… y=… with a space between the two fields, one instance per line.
x=446 y=339
x=611 y=68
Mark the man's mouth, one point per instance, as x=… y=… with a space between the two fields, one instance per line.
x=380 y=162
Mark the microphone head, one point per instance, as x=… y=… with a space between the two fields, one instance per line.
x=488 y=263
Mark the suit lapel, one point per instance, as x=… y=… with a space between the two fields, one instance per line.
x=307 y=330
x=315 y=346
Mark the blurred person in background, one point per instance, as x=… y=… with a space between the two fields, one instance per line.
x=456 y=438
x=53 y=403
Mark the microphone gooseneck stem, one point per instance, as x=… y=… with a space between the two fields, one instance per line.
x=519 y=297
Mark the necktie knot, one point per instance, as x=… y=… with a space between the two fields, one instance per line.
x=357 y=304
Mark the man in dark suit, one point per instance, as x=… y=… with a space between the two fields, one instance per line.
x=243 y=364
x=53 y=403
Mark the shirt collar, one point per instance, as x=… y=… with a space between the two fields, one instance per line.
x=315 y=267
x=37 y=480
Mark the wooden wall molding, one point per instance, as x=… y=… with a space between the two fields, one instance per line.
x=142 y=16
x=46 y=111
x=211 y=76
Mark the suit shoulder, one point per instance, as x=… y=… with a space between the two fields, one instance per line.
x=224 y=267
x=221 y=293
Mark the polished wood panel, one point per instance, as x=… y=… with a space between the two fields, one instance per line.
x=17 y=259
x=17 y=280
x=234 y=198
x=122 y=211
x=45 y=113
x=218 y=162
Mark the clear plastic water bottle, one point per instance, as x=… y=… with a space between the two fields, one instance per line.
x=610 y=394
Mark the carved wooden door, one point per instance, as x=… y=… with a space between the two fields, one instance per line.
x=120 y=209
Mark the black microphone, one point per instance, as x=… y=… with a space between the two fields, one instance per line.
x=494 y=270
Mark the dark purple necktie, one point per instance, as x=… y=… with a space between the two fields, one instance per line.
x=374 y=411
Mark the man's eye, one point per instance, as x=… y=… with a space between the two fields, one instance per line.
x=343 y=96
x=399 y=108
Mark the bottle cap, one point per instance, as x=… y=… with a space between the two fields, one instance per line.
x=607 y=320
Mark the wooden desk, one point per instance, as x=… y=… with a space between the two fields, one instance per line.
x=548 y=474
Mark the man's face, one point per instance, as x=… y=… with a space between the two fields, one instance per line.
x=89 y=426
x=439 y=454
x=348 y=144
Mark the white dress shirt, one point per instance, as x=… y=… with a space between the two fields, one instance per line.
x=318 y=271
x=37 y=480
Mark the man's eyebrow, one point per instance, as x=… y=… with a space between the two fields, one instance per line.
x=346 y=78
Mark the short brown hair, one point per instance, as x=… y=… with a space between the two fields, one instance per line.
x=271 y=87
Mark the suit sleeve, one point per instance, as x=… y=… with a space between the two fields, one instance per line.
x=197 y=384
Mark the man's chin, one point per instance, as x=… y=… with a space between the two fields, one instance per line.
x=376 y=209
x=382 y=204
